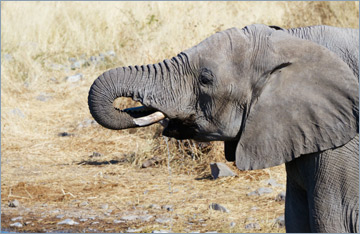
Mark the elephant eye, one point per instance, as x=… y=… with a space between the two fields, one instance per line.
x=206 y=77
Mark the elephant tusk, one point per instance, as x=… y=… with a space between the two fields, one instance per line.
x=150 y=119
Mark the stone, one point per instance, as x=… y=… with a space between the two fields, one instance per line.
x=8 y=57
x=104 y=206
x=17 y=112
x=280 y=221
x=84 y=203
x=150 y=162
x=74 y=78
x=232 y=224
x=273 y=183
x=96 y=155
x=65 y=134
x=160 y=231
x=118 y=221
x=72 y=59
x=252 y=226
x=111 y=53
x=215 y=206
x=57 y=67
x=155 y=206
x=130 y=217
x=87 y=123
x=60 y=216
x=83 y=220
x=16 y=218
x=146 y=218
x=130 y=230
x=163 y=220
x=14 y=203
x=220 y=170
x=43 y=97
x=68 y=222
x=17 y=224
x=167 y=207
x=281 y=196
x=260 y=191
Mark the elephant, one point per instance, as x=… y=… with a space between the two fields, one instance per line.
x=273 y=96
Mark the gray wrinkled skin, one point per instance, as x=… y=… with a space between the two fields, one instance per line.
x=273 y=96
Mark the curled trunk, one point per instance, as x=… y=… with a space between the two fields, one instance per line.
x=149 y=84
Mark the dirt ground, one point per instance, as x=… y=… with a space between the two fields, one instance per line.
x=107 y=192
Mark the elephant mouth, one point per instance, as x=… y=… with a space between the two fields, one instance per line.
x=144 y=116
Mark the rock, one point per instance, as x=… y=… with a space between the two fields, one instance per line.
x=281 y=196
x=260 y=191
x=220 y=170
x=130 y=230
x=72 y=59
x=94 y=223
x=160 y=231
x=150 y=162
x=232 y=224
x=17 y=224
x=211 y=232
x=218 y=207
x=163 y=220
x=17 y=112
x=167 y=207
x=87 y=123
x=8 y=57
x=83 y=220
x=43 y=97
x=60 y=216
x=79 y=64
x=65 y=134
x=155 y=206
x=252 y=226
x=104 y=206
x=56 y=66
x=280 y=221
x=111 y=53
x=95 y=154
x=130 y=217
x=74 y=78
x=84 y=203
x=273 y=182
x=146 y=218
x=118 y=221
x=16 y=218
x=14 y=203
x=253 y=193
x=68 y=222
x=254 y=208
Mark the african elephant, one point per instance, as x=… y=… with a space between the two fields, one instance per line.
x=273 y=96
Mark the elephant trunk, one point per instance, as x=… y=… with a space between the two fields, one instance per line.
x=149 y=84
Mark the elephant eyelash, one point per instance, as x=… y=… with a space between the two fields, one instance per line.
x=280 y=66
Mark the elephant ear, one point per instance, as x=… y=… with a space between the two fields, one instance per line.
x=307 y=102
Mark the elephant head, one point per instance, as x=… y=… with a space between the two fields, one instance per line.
x=269 y=95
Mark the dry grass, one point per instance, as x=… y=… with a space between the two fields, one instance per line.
x=40 y=167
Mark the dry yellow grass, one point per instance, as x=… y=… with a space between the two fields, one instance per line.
x=38 y=166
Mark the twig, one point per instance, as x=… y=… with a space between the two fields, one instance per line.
x=68 y=193
x=28 y=193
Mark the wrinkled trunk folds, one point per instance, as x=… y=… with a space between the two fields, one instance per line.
x=148 y=84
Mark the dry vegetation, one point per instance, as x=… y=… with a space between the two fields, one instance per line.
x=52 y=175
